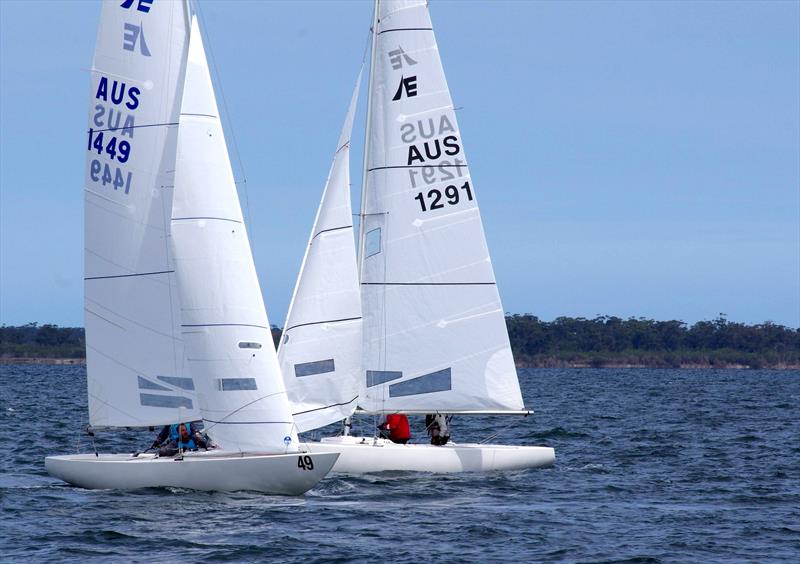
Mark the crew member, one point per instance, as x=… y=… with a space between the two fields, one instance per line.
x=178 y=438
x=395 y=428
x=438 y=428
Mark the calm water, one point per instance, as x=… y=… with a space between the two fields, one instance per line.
x=652 y=465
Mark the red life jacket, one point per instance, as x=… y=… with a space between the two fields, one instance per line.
x=398 y=428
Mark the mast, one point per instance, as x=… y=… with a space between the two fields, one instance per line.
x=365 y=169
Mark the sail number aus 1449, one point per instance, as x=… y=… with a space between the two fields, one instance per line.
x=433 y=199
x=116 y=150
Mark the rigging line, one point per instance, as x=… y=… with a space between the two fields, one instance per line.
x=492 y=436
x=227 y=115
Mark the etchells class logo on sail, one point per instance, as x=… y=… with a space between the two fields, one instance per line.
x=116 y=102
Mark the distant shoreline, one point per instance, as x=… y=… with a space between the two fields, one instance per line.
x=548 y=364
x=565 y=342
x=24 y=360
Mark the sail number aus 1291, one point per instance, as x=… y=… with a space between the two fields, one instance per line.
x=433 y=199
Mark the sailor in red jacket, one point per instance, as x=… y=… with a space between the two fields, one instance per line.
x=395 y=428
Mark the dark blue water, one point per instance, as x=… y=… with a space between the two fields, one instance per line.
x=652 y=465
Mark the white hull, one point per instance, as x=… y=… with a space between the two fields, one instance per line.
x=215 y=471
x=364 y=455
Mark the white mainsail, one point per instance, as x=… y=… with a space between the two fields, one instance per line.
x=228 y=343
x=320 y=352
x=434 y=328
x=134 y=350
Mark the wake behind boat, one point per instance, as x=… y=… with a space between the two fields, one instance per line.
x=176 y=328
x=412 y=323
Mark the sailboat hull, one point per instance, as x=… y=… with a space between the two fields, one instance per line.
x=282 y=474
x=365 y=455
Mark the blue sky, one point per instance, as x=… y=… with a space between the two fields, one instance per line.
x=630 y=158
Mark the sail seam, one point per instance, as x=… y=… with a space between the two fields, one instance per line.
x=249 y=422
x=203 y=217
x=126 y=127
x=325 y=407
x=320 y=322
x=445 y=165
x=201 y=115
x=331 y=229
x=429 y=283
x=224 y=325
x=129 y=275
x=406 y=29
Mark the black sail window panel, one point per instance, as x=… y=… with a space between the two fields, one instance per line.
x=236 y=384
x=377 y=377
x=178 y=382
x=316 y=367
x=145 y=384
x=154 y=400
x=438 y=381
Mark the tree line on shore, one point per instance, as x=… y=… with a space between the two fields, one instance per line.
x=565 y=341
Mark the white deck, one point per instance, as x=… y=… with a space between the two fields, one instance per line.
x=214 y=470
x=364 y=455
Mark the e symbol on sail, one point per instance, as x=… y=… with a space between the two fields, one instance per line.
x=409 y=85
x=132 y=34
x=397 y=57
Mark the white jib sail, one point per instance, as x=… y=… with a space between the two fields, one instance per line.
x=228 y=345
x=133 y=343
x=320 y=352
x=434 y=330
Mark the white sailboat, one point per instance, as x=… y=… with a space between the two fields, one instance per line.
x=176 y=328
x=429 y=334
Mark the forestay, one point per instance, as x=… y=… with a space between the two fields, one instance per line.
x=320 y=353
x=133 y=344
x=228 y=343
x=434 y=328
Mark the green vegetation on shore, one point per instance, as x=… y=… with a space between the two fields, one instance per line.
x=612 y=341
x=563 y=342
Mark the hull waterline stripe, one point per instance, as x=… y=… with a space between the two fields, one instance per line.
x=326 y=407
x=129 y=275
x=321 y=322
